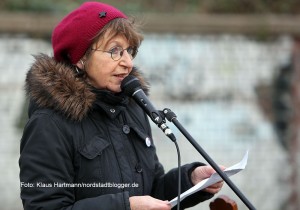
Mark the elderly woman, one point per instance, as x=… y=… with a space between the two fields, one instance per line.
x=83 y=146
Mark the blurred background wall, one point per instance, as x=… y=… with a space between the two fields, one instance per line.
x=229 y=70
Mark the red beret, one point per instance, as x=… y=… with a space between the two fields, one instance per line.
x=73 y=35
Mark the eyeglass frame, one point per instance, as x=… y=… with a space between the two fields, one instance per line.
x=121 y=52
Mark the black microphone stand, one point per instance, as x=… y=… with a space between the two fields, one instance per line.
x=170 y=115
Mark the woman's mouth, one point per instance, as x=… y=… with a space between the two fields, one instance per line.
x=121 y=76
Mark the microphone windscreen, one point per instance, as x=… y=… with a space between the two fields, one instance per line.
x=130 y=84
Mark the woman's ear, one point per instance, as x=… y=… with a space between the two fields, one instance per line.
x=80 y=64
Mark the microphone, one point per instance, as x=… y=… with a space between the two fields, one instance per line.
x=131 y=87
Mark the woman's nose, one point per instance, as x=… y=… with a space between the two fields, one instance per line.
x=126 y=59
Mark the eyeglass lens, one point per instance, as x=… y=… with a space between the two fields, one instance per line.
x=117 y=52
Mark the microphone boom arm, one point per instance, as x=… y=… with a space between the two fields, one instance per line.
x=171 y=116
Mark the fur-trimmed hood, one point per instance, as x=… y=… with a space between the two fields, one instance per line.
x=54 y=85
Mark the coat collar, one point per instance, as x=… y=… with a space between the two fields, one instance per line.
x=54 y=85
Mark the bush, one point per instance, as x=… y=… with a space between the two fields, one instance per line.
x=165 y=6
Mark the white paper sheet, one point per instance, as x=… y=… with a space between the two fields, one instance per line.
x=214 y=178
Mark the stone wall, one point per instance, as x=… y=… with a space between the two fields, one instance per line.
x=226 y=123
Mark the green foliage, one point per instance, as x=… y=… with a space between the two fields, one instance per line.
x=253 y=6
x=39 y=6
x=162 y=6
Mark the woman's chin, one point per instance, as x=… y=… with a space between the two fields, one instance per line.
x=115 y=89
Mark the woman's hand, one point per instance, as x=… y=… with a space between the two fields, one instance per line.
x=202 y=172
x=148 y=203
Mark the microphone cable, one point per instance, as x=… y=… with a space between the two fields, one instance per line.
x=173 y=139
x=179 y=174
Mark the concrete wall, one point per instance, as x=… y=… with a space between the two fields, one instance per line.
x=263 y=25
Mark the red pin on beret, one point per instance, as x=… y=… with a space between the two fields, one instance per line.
x=73 y=35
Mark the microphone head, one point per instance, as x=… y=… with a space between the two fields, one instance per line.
x=130 y=84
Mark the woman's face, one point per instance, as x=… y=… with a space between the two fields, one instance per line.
x=102 y=71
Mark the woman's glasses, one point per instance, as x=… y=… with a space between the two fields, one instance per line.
x=117 y=52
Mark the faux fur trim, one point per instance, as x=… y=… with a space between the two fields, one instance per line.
x=54 y=85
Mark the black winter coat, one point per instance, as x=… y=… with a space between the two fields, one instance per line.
x=89 y=149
